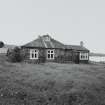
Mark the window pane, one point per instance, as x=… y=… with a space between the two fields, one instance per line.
x=86 y=57
x=32 y=55
x=52 y=51
x=48 y=55
x=32 y=51
x=48 y=51
x=35 y=55
x=52 y=56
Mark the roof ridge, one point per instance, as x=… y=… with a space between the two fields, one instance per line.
x=51 y=44
x=43 y=42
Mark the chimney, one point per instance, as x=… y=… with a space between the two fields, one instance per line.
x=39 y=36
x=81 y=43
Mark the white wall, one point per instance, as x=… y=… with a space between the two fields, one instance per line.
x=97 y=58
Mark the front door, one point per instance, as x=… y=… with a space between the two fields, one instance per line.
x=77 y=58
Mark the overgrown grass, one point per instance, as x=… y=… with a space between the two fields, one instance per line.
x=51 y=84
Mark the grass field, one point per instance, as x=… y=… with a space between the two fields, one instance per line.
x=51 y=84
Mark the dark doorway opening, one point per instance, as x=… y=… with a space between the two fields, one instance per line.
x=77 y=58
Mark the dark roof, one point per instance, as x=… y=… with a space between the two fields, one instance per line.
x=35 y=43
x=76 y=47
x=39 y=42
x=58 y=44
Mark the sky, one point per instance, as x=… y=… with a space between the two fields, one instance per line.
x=68 y=21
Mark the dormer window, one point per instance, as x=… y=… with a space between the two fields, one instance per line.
x=46 y=38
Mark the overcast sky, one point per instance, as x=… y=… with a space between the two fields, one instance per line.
x=69 y=21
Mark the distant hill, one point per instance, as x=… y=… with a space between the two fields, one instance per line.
x=96 y=54
x=5 y=48
x=9 y=46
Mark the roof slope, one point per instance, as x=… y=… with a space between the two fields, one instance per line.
x=76 y=47
x=39 y=42
x=57 y=44
x=35 y=43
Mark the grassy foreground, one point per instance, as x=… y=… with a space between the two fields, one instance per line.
x=51 y=84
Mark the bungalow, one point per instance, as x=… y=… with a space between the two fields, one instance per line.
x=47 y=49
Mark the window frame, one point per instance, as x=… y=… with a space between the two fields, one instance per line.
x=84 y=56
x=35 y=53
x=50 y=52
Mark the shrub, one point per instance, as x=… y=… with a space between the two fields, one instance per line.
x=15 y=55
x=1 y=44
x=42 y=59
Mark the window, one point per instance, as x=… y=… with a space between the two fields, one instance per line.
x=34 y=54
x=83 y=56
x=50 y=54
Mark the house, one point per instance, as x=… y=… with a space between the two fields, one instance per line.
x=47 y=49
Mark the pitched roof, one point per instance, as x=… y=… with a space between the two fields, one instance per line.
x=35 y=43
x=40 y=42
x=76 y=47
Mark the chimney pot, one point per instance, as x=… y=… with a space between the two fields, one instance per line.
x=81 y=43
